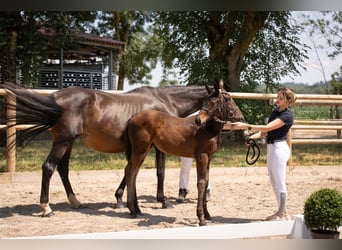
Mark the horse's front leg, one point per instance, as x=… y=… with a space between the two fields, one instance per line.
x=202 y=184
x=160 y=164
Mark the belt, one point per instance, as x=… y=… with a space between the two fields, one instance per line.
x=274 y=141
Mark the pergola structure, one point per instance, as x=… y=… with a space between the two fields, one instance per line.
x=88 y=73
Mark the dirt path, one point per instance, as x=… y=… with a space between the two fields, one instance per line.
x=239 y=195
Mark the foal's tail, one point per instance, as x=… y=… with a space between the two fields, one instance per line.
x=31 y=108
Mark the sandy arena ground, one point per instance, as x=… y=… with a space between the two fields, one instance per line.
x=239 y=195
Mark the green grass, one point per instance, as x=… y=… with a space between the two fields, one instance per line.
x=32 y=157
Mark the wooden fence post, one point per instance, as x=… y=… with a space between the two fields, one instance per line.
x=11 y=136
x=289 y=142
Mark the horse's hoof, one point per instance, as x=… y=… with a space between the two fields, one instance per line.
x=202 y=223
x=167 y=204
x=133 y=216
x=119 y=205
x=47 y=215
x=81 y=206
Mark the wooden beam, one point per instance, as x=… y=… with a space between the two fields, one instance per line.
x=11 y=137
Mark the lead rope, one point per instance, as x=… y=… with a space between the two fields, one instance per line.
x=252 y=145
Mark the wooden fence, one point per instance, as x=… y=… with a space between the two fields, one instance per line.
x=302 y=99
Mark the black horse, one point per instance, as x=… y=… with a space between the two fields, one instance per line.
x=196 y=137
x=98 y=119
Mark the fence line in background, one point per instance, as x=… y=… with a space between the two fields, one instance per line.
x=302 y=99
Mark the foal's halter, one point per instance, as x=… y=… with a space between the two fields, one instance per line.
x=222 y=106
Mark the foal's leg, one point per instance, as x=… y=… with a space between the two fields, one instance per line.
x=202 y=183
x=140 y=149
x=205 y=202
x=48 y=167
x=120 y=190
x=160 y=163
x=131 y=172
x=63 y=170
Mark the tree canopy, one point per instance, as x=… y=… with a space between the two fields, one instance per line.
x=244 y=48
x=236 y=46
x=142 y=46
x=24 y=40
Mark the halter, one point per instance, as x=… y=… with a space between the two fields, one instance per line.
x=221 y=106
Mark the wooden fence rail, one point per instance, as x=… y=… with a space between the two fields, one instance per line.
x=302 y=99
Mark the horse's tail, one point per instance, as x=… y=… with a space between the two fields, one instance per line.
x=31 y=108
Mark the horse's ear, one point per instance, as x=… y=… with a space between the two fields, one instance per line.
x=208 y=89
x=221 y=84
x=226 y=87
x=216 y=87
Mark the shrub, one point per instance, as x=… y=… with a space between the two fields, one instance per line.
x=323 y=210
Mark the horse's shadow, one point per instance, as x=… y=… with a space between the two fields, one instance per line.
x=107 y=209
x=90 y=208
x=227 y=220
x=35 y=210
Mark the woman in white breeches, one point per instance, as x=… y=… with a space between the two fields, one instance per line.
x=278 y=152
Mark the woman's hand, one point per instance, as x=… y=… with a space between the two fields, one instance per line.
x=239 y=126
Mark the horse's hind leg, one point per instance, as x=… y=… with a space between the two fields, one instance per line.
x=119 y=193
x=63 y=170
x=48 y=167
x=160 y=163
x=131 y=172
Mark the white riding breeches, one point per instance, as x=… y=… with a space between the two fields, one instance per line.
x=184 y=174
x=278 y=154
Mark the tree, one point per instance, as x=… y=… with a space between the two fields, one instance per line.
x=25 y=37
x=234 y=45
x=10 y=23
x=142 y=47
x=329 y=24
x=336 y=84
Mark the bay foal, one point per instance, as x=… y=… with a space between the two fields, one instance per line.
x=196 y=137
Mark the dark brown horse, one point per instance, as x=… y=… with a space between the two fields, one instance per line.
x=196 y=137
x=98 y=119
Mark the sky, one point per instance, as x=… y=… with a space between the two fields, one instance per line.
x=310 y=76
x=314 y=72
